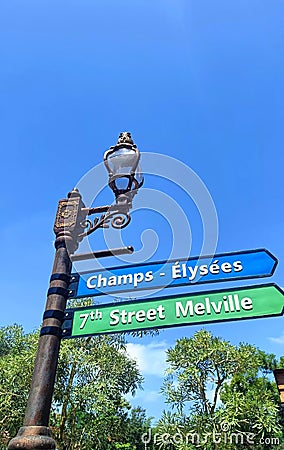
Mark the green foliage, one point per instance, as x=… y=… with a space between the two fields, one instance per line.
x=17 y=354
x=137 y=426
x=93 y=376
x=203 y=362
x=222 y=396
x=89 y=409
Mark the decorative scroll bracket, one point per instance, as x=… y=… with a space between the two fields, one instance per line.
x=116 y=216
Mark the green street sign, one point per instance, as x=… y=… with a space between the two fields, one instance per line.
x=212 y=306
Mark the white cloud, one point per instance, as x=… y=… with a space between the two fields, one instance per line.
x=151 y=358
x=278 y=340
x=146 y=396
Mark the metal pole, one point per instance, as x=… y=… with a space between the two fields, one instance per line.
x=35 y=434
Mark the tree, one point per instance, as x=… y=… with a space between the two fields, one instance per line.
x=89 y=409
x=17 y=354
x=219 y=394
x=138 y=425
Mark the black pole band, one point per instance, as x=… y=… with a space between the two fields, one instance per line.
x=53 y=314
x=60 y=276
x=54 y=331
x=58 y=291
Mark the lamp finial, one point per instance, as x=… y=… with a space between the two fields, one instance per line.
x=125 y=138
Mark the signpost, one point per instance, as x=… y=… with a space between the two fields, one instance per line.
x=184 y=272
x=214 y=306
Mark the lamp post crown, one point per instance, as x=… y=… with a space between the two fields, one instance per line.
x=125 y=138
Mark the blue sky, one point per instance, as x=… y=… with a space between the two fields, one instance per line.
x=199 y=81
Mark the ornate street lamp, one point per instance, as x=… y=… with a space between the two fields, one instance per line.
x=71 y=226
x=122 y=163
x=125 y=178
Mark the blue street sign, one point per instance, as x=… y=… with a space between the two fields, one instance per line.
x=174 y=273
